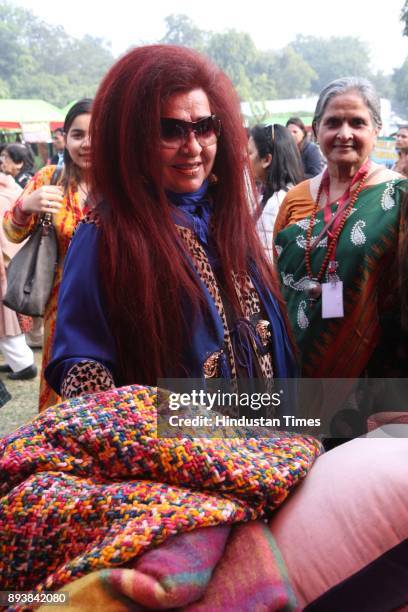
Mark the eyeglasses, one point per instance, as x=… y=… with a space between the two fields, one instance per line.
x=175 y=132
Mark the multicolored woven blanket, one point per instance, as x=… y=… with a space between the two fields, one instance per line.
x=88 y=485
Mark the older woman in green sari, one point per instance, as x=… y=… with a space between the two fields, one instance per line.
x=338 y=244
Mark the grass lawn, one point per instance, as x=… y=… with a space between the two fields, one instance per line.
x=23 y=405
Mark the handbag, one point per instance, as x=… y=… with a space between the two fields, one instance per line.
x=4 y=394
x=31 y=272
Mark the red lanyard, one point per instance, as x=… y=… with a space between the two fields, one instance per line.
x=341 y=205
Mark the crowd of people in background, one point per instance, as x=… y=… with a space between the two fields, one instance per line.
x=283 y=162
x=191 y=247
x=285 y=165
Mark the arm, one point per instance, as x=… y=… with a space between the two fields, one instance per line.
x=298 y=204
x=281 y=220
x=9 y=192
x=84 y=355
x=38 y=196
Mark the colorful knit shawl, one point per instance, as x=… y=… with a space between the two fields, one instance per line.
x=89 y=485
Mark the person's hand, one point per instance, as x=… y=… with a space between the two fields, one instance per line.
x=44 y=199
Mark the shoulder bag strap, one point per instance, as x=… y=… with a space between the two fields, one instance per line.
x=45 y=219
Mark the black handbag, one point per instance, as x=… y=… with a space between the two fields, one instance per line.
x=4 y=394
x=31 y=272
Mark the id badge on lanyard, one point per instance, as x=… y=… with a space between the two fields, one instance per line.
x=332 y=300
x=332 y=290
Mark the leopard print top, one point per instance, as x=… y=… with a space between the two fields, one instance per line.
x=86 y=377
x=251 y=308
x=250 y=305
x=206 y=274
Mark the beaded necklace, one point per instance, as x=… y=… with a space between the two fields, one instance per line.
x=314 y=286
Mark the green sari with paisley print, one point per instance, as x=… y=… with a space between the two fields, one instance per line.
x=366 y=253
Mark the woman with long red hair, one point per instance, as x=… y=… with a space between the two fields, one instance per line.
x=166 y=278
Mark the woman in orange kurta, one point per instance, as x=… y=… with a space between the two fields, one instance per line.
x=67 y=200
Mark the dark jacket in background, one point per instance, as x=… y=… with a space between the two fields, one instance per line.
x=22 y=178
x=312 y=159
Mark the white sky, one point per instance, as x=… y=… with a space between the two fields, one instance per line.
x=271 y=23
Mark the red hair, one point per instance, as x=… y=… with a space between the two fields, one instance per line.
x=143 y=269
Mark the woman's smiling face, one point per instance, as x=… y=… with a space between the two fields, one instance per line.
x=346 y=131
x=186 y=168
x=77 y=141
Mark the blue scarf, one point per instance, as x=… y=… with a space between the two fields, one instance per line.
x=193 y=210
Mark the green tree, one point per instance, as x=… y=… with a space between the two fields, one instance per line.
x=404 y=17
x=235 y=53
x=263 y=87
x=182 y=31
x=280 y=74
x=332 y=58
x=4 y=89
x=400 y=80
x=383 y=84
x=264 y=76
x=14 y=53
x=294 y=75
x=41 y=61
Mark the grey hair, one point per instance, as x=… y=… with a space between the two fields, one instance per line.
x=341 y=86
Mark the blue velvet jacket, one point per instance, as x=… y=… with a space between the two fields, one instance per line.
x=82 y=327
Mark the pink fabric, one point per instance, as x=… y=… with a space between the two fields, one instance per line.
x=386 y=418
x=348 y=511
x=173 y=574
x=250 y=577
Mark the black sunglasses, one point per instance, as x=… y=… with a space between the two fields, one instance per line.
x=175 y=132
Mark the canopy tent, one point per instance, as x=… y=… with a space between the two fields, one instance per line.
x=16 y=115
x=279 y=111
x=282 y=118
